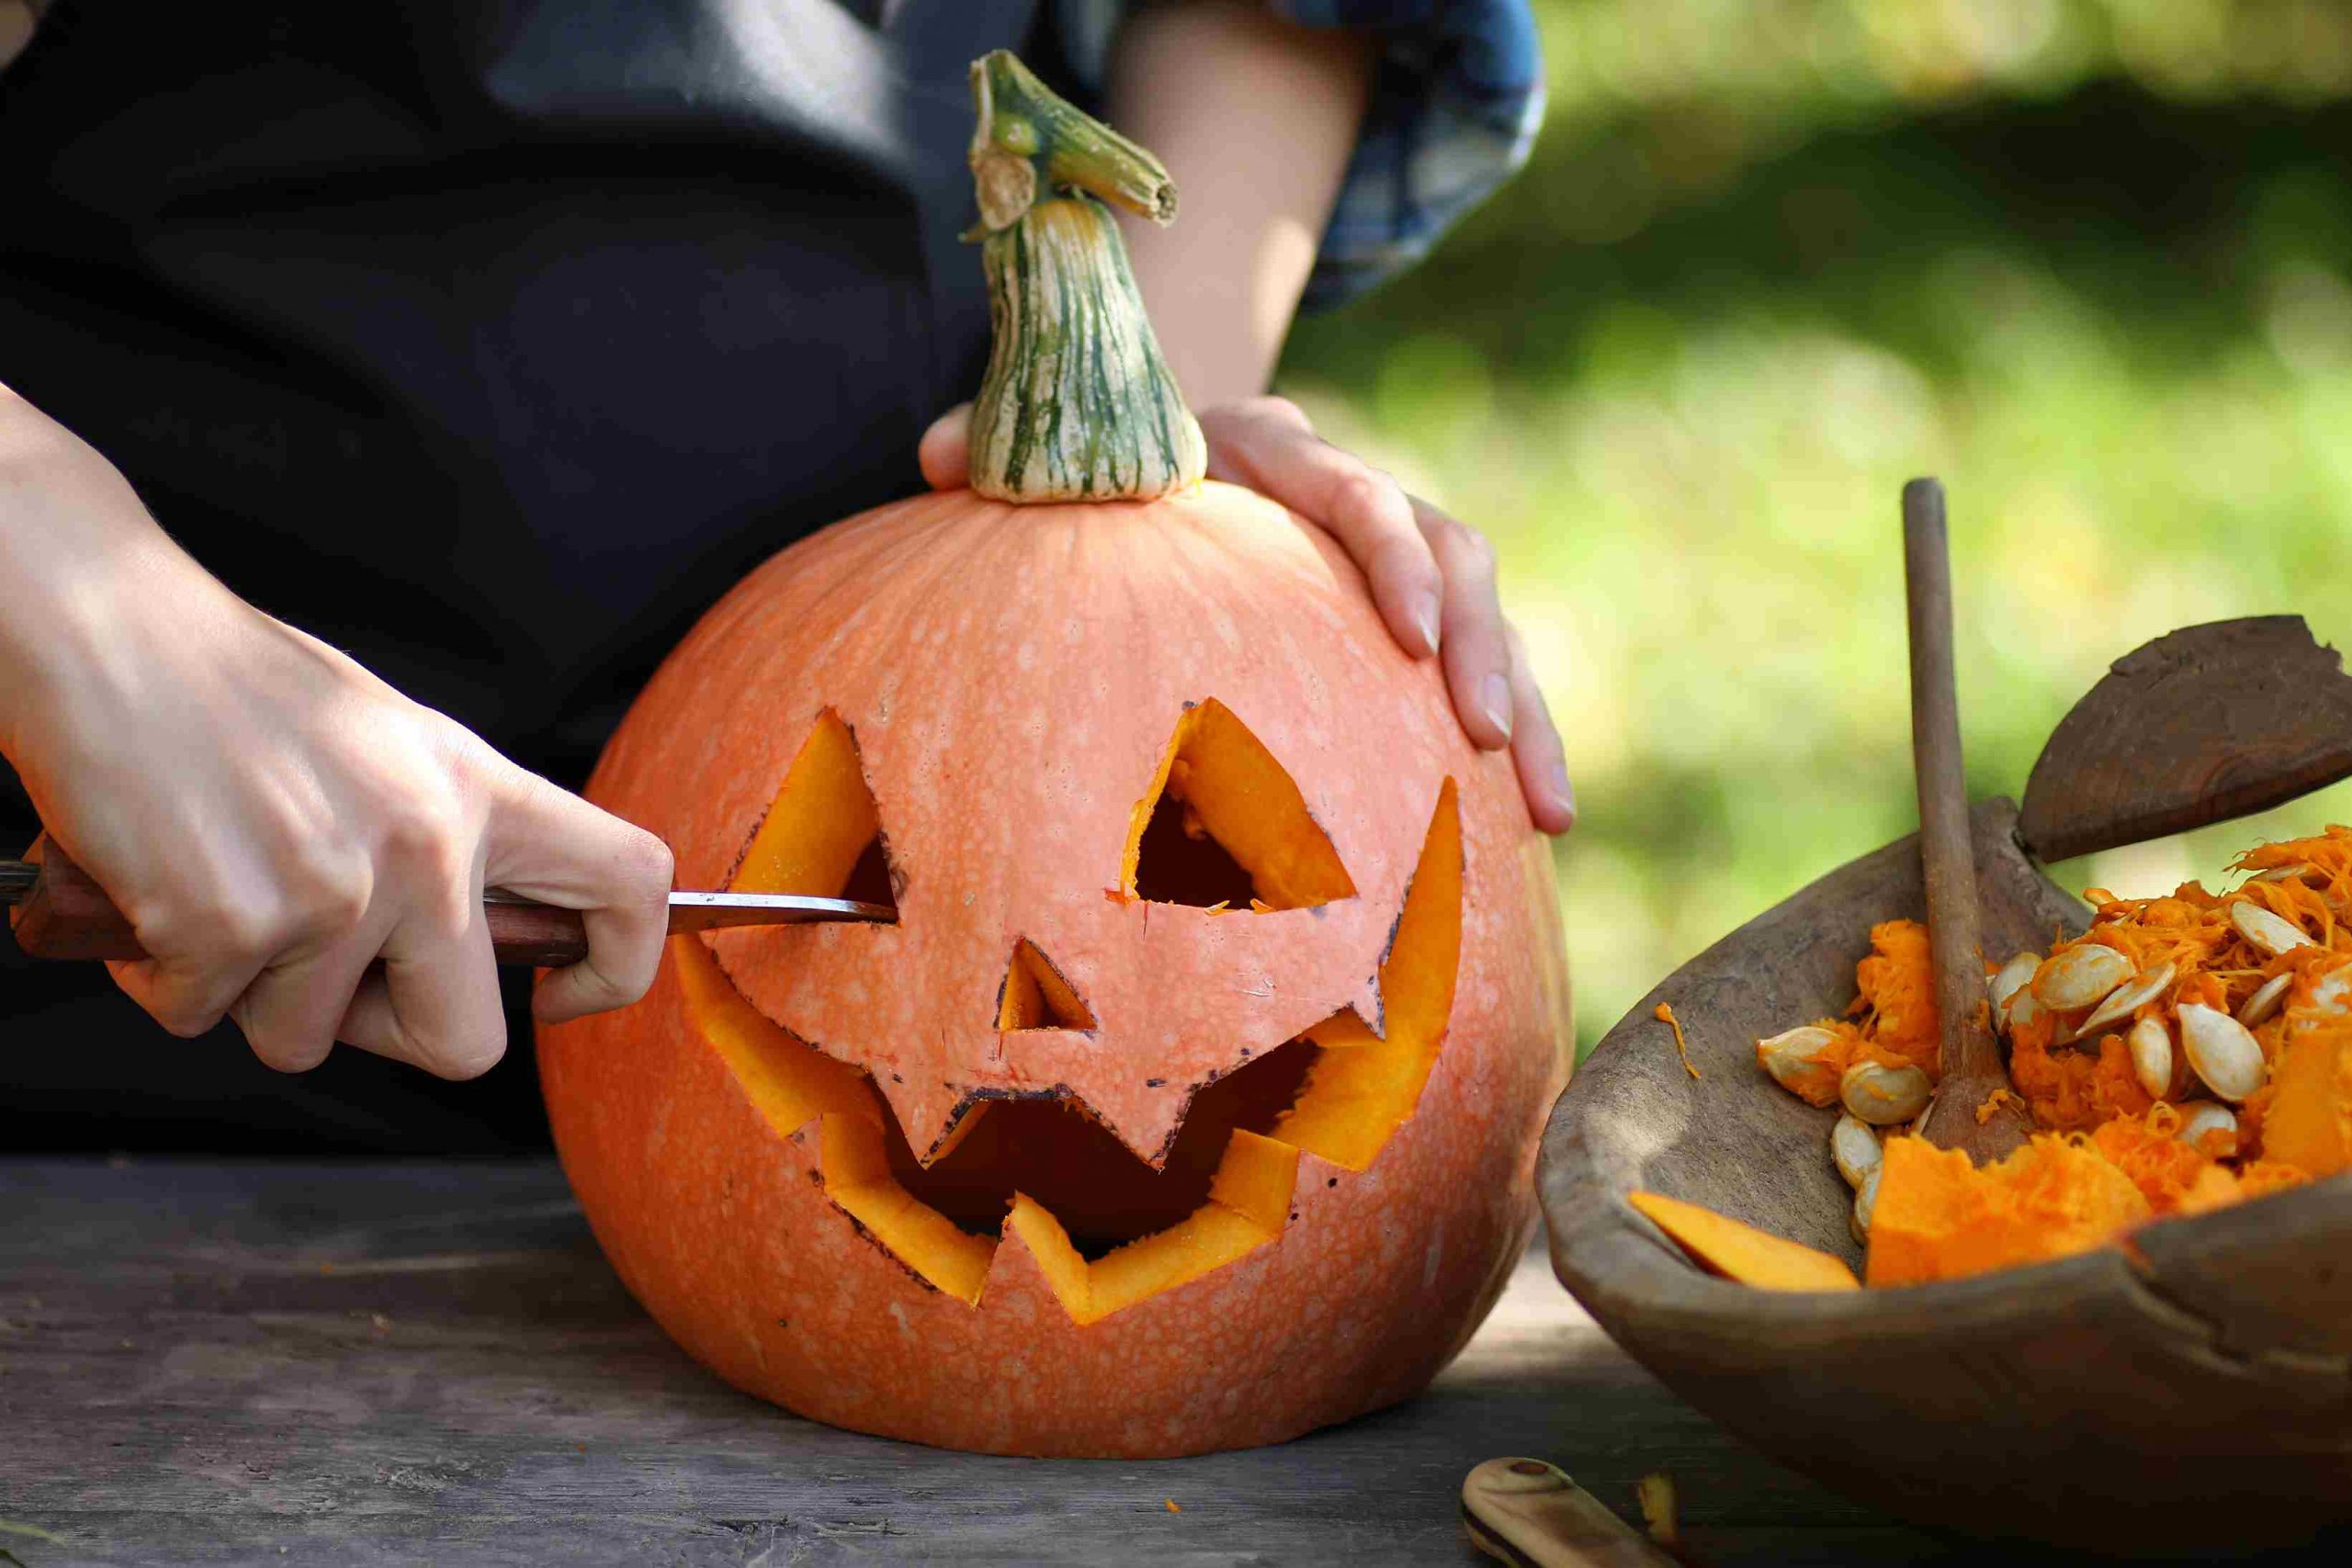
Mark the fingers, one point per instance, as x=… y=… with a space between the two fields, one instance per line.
x=944 y=453
x=551 y=845
x=1535 y=751
x=1268 y=445
x=295 y=1007
x=225 y=926
x=436 y=1004
x=1476 y=647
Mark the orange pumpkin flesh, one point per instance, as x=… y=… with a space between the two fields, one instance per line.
x=1055 y=1165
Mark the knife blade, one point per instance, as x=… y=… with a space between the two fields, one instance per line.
x=60 y=913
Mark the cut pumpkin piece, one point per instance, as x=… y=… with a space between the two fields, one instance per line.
x=1251 y=837
x=1725 y=1245
x=1363 y=1086
x=822 y=835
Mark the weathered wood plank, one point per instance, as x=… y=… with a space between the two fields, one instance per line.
x=206 y=1363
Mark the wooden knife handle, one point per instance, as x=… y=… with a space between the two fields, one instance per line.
x=69 y=916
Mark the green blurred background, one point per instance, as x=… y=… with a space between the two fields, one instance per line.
x=2085 y=260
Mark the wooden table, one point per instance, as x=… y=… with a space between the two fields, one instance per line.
x=211 y=1362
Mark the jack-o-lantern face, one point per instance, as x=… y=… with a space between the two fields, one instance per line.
x=1190 y=1101
x=1222 y=834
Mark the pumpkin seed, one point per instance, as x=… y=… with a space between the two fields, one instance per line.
x=2205 y=1118
x=2295 y=873
x=2263 y=1006
x=1882 y=1094
x=1788 y=1056
x=2151 y=1044
x=2024 y=1008
x=2080 y=976
x=1853 y=1148
x=2272 y=933
x=2221 y=1050
x=1865 y=1205
x=2012 y=977
x=2125 y=1000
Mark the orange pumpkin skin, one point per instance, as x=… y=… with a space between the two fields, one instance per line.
x=1012 y=676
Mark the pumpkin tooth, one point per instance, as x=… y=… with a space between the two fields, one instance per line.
x=1882 y=1094
x=2011 y=978
x=2263 y=1006
x=2125 y=1000
x=2221 y=1050
x=2272 y=933
x=2201 y=1119
x=2151 y=1046
x=1853 y=1148
x=2080 y=976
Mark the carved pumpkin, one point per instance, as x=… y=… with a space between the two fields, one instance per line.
x=1192 y=1099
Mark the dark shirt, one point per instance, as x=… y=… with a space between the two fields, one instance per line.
x=491 y=343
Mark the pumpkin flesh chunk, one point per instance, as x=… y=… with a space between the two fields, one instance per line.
x=1737 y=1251
x=1114 y=1237
x=1237 y=800
x=1940 y=1217
x=2308 y=1123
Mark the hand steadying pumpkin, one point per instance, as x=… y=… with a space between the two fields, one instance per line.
x=1222 y=286
x=1433 y=577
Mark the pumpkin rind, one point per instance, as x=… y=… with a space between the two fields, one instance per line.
x=947 y=634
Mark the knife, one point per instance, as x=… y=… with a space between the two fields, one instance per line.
x=60 y=913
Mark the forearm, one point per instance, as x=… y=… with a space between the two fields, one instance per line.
x=78 y=552
x=1255 y=118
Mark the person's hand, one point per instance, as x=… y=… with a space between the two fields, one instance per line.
x=1431 y=575
x=272 y=819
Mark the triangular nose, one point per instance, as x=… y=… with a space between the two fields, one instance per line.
x=1036 y=995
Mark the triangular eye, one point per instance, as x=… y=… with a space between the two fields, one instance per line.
x=1036 y=995
x=821 y=834
x=1224 y=823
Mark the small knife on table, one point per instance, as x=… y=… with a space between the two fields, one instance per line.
x=60 y=913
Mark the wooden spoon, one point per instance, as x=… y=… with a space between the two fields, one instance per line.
x=1972 y=1073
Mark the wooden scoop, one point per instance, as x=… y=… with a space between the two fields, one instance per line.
x=1959 y=1117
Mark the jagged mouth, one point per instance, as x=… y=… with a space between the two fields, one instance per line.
x=1108 y=1227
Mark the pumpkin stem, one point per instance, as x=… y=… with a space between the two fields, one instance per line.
x=1076 y=403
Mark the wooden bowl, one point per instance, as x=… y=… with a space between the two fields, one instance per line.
x=2191 y=1393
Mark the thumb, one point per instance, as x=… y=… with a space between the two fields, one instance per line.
x=945 y=451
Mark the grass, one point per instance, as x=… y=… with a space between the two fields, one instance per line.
x=1681 y=369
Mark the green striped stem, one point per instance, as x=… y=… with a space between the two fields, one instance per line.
x=1076 y=403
